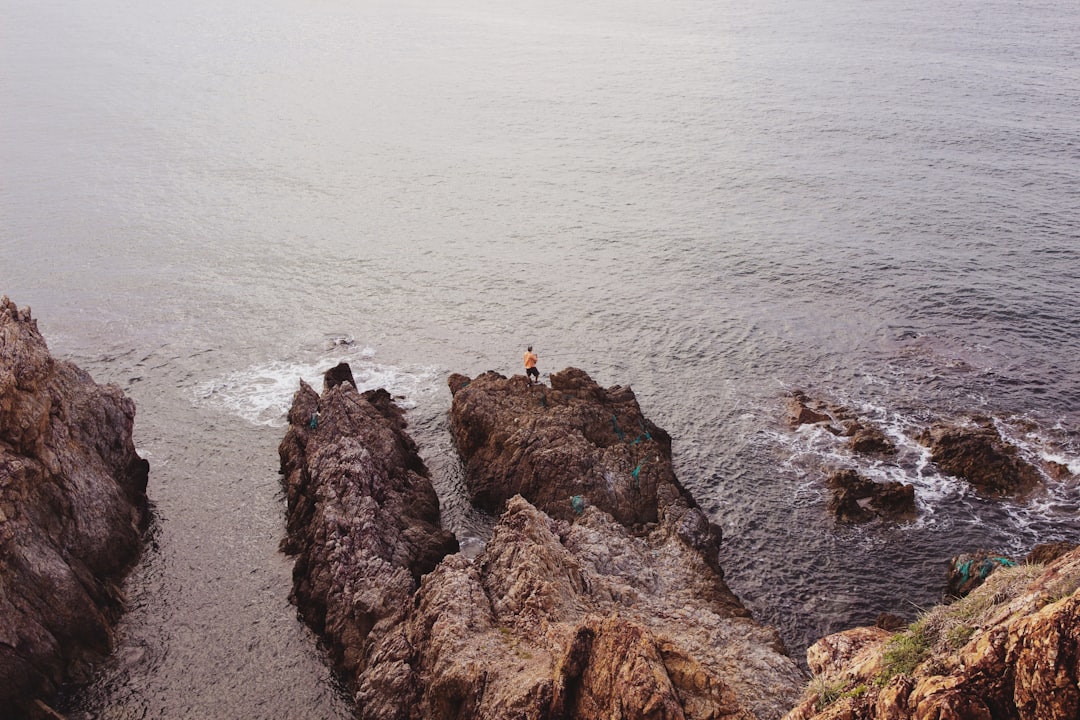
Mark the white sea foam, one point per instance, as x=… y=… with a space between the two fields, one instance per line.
x=262 y=394
x=812 y=452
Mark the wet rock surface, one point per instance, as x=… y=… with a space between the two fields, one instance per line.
x=1007 y=652
x=602 y=608
x=977 y=453
x=856 y=499
x=73 y=510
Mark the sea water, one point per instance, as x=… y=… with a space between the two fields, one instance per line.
x=712 y=202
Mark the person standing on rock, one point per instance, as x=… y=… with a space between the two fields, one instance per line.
x=530 y=366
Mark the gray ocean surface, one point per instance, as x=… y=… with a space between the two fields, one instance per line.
x=713 y=202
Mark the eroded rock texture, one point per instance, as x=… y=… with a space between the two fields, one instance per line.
x=364 y=526
x=603 y=608
x=570 y=446
x=1009 y=651
x=857 y=499
x=977 y=453
x=72 y=512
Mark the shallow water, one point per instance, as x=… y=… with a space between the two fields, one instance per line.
x=875 y=202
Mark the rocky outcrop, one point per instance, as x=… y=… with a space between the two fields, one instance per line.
x=804 y=411
x=586 y=620
x=1008 y=651
x=1046 y=553
x=72 y=512
x=870 y=440
x=568 y=614
x=977 y=453
x=571 y=446
x=856 y=499
x=363 y=523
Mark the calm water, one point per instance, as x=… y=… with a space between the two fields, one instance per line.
x=877 y=202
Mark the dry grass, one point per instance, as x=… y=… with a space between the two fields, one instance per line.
x=942 y=631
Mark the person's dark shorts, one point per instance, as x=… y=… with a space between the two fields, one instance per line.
x=533 y=372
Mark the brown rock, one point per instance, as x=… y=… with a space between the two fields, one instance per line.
x=1058 y=471
x=582 y=617
x=588 y=621
x=856 y=499
x=1017 y=661
x=871 y=440
x=363 y=523
x=1046 y=553
x=571 y=446
x=976 y=453
x=800 y=412
x=72 y=512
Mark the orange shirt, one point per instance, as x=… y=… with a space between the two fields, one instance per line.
x=530 y=360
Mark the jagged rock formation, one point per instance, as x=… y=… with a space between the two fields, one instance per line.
x=568 y=447
x=72 y=512
x=571 y=614
x=1008 y=651
x=363 y=524
x=804 y=411
x=856 y=499
x=977 y=453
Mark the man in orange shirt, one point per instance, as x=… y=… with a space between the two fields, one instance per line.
x=530 y=366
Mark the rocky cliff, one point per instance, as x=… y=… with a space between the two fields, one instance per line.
x=72 y=511
x=1008 y=651
x=597 y=596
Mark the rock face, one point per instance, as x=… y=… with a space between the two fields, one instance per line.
x=571 y=446
x=72 y=512
x=568 y=614
x=1006 y=652
x=856 y=499
x=976 y=453
x=363 y=524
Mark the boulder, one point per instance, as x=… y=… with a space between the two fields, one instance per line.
x=800 y=411
x=977 y=453
x=856 y=499
x=1008 y=651
x=73 y=510
x=570 y=446
x=870 y=440
x=363 y=523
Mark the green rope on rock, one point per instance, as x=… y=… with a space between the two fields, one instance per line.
x=617 y=429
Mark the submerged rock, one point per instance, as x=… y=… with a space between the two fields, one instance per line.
x=800 y=411
x=977 y=453
x=856 y=499
x=1008 y=651
x=604 y=608
x=73 y=509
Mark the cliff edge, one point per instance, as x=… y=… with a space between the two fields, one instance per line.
x=1010 y=650
x=72 y=512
